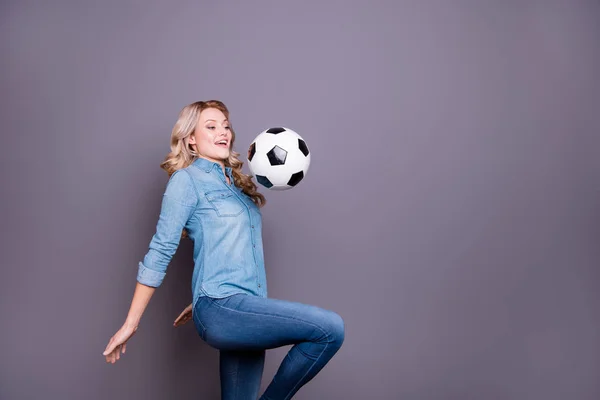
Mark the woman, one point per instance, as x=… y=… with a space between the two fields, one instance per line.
x=209 y=199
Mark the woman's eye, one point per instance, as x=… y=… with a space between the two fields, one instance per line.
x=211 y=127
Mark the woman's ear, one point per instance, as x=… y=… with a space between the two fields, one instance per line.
x=192 y=139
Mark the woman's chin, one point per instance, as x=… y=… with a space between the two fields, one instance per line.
x=224 y=155
x=220 y=154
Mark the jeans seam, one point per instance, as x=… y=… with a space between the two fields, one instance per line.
x=237 y=366
x=292 y=318
x=308 y=370
x=272 y=315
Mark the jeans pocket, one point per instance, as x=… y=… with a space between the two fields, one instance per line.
x=231 y=302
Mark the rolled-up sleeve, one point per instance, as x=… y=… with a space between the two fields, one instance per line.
x=178 y=203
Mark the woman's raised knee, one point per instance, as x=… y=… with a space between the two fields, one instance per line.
x=336 y=328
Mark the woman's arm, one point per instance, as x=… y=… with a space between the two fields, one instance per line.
x=118 y=343
x=178 y=203
x=141 y=298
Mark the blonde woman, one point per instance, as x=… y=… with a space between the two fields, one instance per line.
x=210 y=200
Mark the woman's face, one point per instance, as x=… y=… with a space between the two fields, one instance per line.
x=212 y=137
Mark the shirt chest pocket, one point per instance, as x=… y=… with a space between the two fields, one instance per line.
x=224 y=203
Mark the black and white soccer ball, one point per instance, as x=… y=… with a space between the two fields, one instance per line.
x=278 y=158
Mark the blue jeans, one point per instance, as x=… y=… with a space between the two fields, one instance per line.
x=242 y=327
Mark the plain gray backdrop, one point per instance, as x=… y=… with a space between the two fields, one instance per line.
x=451 y=214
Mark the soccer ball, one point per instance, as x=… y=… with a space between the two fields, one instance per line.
x=278 y=158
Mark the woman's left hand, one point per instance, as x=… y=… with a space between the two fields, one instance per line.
x=184 y=317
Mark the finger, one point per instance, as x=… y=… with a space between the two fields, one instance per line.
x=107 y=357
x=124 y=347
x=119 y=351
x=109 y=347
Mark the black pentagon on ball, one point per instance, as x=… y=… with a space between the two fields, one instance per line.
x=263 y=180
x=296 y=178
x=275 y=131
x=303 y=147
x=277 y=156
x=251 y=151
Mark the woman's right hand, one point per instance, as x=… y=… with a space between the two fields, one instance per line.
x=118 y=343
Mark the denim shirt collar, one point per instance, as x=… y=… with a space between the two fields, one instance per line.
x=208 y=166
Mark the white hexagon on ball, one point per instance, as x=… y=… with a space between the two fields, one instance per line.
x=278 y=158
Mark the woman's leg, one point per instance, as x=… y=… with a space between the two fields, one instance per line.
x=249 y=323
x=241 y=373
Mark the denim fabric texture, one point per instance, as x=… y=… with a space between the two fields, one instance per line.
x=225 y=226
x=242 y=327
x=231 y=310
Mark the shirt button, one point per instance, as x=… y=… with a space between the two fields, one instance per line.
x=259 y=285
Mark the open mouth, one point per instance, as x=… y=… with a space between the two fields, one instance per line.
x=223 y=143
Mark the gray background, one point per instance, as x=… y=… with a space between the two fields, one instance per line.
x=451 y=214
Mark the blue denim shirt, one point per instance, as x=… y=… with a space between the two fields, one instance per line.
x=225 y=226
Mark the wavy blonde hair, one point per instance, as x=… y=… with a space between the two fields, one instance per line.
x=182 y=154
